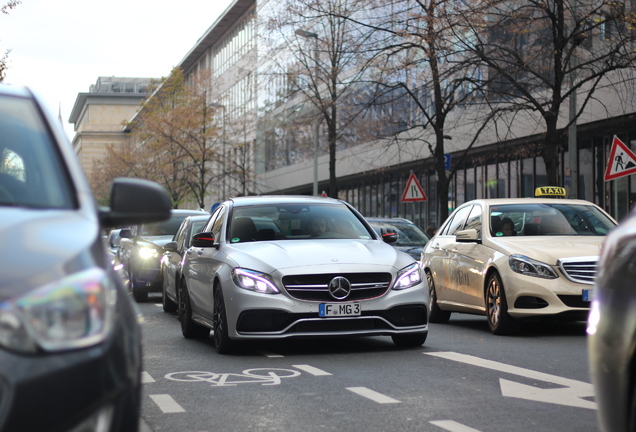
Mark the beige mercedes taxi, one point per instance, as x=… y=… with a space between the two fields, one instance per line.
x=513 y=259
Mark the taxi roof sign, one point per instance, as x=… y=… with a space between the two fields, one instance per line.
x=550 y=191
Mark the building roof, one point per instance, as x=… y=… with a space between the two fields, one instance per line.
x=216 y=31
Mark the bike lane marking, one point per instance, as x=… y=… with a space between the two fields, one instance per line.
x=146 y=378
x=373 y=395
x=452 y=426
x=312 y=370
x=167 y=404
x=571 y=394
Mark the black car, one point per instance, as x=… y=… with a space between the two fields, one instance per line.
x=410 y=237
x=173 y=255
x=70 y=342
x=141 y=248
x=612 y=330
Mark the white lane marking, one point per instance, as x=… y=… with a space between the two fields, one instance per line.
x=270 y=354
x=570 y=395
x=453 y=426
x=373 y=395
x=167 y=404
x=158 y=305
x=146 y=378
x=312 y=370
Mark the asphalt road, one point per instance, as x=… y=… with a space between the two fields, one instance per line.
x=463 y=379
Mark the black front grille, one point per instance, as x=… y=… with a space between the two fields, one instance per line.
x=316 y=287
x=574 y=301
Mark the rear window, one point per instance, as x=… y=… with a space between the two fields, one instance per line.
x=32 y=172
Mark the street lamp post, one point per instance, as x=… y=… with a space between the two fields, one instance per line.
x=223 y=189
x=314 y=36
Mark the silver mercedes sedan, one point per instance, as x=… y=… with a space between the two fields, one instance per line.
x=274 y=267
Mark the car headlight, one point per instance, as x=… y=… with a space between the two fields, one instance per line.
x=75 y=312
x=529 y=267
x=407 y=277
x=148 y=252
x=254 y=281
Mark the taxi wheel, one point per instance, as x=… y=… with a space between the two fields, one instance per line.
x=437 y=315
x=222 y=341
x=499 y=321
x=168 y=305
x=189 y=328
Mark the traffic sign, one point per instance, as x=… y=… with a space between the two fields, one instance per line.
x=447 y=161
x=621 y=162
x=413 y=191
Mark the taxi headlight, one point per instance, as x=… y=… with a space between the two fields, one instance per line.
x=529 y=267
x=75 y=312
x=407 y=277
x=148 y=252
x=254 y=281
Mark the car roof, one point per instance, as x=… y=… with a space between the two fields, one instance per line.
x=283 y=199
x=501 y=201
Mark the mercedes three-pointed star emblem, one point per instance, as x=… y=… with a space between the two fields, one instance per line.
x=339 y=288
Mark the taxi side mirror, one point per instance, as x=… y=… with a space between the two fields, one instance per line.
x=468 y=236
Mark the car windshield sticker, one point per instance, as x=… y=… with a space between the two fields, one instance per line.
x=236 y=239
x=499 y=234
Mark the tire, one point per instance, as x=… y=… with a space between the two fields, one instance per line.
x=168 y=305
x=222 y=341
x=436 y=315
x=409 y=340
x=499 y=321
x=189 y=328
x=138 y=291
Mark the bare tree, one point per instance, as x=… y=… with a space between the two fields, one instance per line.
x=329 y=61
x=5 y=8
x=540 y=52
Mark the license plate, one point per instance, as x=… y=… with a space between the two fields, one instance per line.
x=338 y=309
x=587 y=295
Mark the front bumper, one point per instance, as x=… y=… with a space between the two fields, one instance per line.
x=529 y=296
x=58 y=391
x=274 y=316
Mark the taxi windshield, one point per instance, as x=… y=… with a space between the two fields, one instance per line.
x=556 y=219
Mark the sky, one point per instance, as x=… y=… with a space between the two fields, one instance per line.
x=60 y=47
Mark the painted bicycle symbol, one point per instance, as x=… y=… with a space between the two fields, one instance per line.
x=264 y=376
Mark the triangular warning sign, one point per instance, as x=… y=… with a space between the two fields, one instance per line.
x=413 y=191
x=621 y=162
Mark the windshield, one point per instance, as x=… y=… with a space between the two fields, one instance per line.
x=548 y=220
x=294 y=222
x=408 y=234
x=32 y=173
x=169 y=227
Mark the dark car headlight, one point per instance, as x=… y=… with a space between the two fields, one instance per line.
x=529 y=267
x=254 y=281
x=407 y=277
x=75 y=312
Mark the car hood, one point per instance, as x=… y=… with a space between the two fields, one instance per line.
x=56 y=241
x=550 y=249
x=307 y=256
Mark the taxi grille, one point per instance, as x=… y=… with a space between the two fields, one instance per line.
x=581 y=270
x=315 y=287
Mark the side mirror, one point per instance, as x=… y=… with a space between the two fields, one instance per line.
x=389 y=236
x=170 y=246
x=467 y=236
x=203 y=240
x=135 y=201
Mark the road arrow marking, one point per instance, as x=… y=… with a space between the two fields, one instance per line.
x=563 y=396
x=570 y=395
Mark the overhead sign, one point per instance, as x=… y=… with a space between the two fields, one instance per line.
x=413 y=191
x=621 y=162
